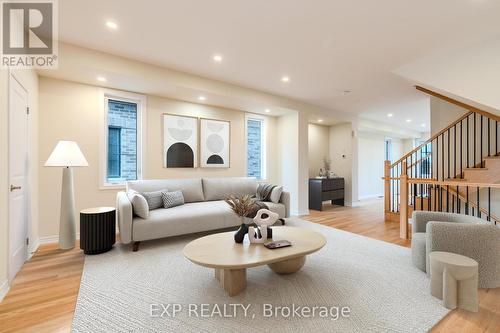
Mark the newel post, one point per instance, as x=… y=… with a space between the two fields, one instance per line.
x=387 y=187
x=403 y=199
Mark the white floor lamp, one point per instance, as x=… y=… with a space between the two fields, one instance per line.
x=67 y=154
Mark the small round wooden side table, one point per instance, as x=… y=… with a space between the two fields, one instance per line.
x=97 y=229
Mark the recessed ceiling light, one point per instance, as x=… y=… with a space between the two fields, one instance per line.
x=423 y=125
x=390 y=115
x=408 y=120
x=217 y=58
x=267 y=110
x=201 y=98
x=285 y=79
x=101 y=79
x=112 y=25
x=320 y=120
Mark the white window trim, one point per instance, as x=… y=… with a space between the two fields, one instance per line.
x=141 y=101
x=263 y=120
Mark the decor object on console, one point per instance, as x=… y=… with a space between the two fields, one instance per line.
x=260 y=233
x=67 y=154
x=214 y=149
x=97 y=229
x=180 y=141
x=454 y=280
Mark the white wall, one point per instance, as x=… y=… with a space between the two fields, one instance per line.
x=471 y=75
x=371 y=156
x=73 y=111
x=443 y=114
x=319 y=147
x=342 y=153
x=293 y=159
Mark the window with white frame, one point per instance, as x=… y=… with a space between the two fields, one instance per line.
x=256 y=146
x=122 y=133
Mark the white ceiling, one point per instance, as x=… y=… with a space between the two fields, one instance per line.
x=324 y=46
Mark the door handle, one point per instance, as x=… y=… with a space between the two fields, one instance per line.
x=13 y=188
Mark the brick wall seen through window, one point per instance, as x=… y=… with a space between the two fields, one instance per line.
x=122 y=141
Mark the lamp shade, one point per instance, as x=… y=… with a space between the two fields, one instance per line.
x=66 y=154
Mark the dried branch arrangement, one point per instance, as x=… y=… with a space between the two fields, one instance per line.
x=242 y=206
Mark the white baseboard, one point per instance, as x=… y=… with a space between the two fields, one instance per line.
x=372 y=196
x=33 y=247
x=4 y=289
x=53 y=239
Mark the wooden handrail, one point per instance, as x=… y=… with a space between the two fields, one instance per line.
x=461 y=183
x=432 y=138
x=458 y=103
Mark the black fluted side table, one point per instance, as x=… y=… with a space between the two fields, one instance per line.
x=97 y=229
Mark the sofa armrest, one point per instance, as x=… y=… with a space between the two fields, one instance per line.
x=124 y=216
x=285 y=200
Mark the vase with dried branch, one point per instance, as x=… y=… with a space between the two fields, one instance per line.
x=241 y=206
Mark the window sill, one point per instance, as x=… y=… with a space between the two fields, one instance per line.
x=108 y=187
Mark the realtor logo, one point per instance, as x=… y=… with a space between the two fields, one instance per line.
x=29 y=34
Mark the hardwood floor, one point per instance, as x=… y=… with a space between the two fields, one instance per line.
x=43 y=295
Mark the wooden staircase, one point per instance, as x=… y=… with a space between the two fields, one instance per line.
x=455 y=170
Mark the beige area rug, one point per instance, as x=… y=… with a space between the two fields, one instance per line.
x=373 y=281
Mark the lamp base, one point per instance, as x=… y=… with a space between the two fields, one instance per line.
x=67 y=224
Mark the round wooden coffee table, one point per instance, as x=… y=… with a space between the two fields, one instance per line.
x=230 y=260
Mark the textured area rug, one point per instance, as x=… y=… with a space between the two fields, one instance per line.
x=353 y=284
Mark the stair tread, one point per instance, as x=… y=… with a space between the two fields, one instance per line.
x=494 y=157
x=456 y=179
x=475 y=169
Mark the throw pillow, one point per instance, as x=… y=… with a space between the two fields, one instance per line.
x=139 y=204
x=276 y=194
x=172 y=199
x=264 y=192
x=154 y=199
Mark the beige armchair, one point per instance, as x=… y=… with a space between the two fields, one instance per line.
x=457 y=233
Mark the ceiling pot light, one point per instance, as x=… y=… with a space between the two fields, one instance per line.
x=320 y=120
x=101 y=79
x=217 y=58
x=390 y=115
x=201 y=98
x=112 y=25
x=267 y=110
x=285 y=79
x=423 y=125
x=408 y=120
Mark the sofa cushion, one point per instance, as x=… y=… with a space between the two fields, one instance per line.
x=276 y=194
x=192 y=189
x=154 y=199
x=185 y=219
x=221 y=188
x=277 y=208
x=139 y=204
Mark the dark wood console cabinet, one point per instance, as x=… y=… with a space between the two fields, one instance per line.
x=327 y=189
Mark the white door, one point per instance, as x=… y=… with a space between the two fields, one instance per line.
x=18 y=164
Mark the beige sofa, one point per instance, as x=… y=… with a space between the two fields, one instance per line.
x=205 y=208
